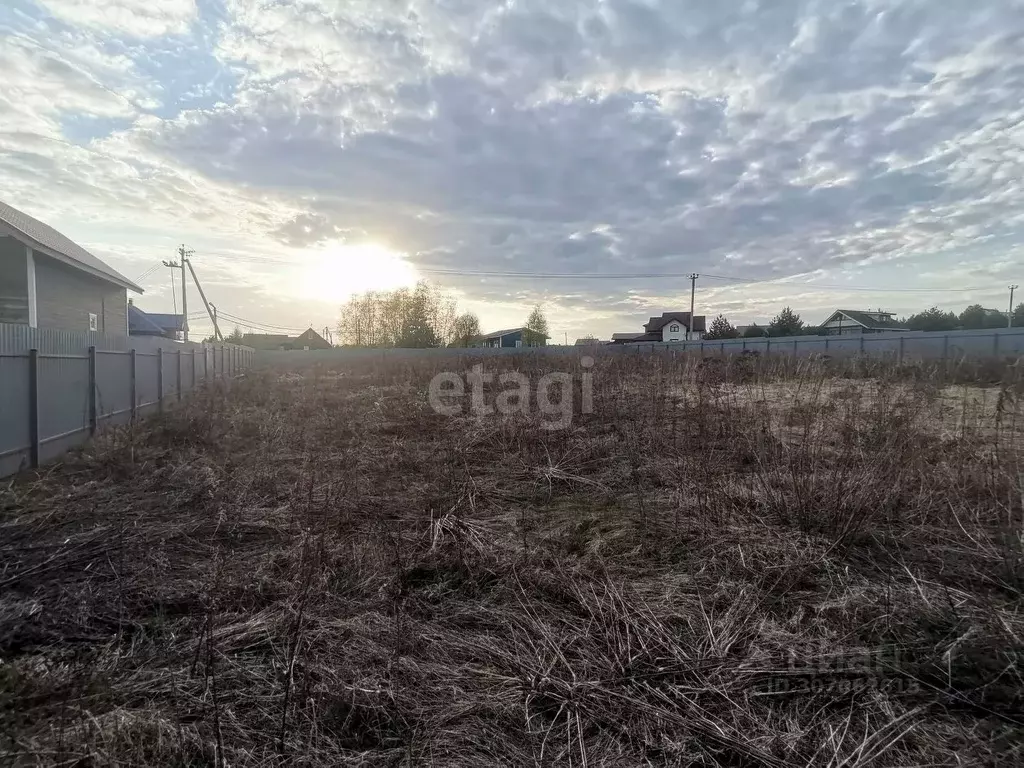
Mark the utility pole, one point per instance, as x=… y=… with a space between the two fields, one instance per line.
x=211 y=310
x=693 y=290
x=1009 y=314
x=180 y=264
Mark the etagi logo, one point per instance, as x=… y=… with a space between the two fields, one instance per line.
x=553 y=394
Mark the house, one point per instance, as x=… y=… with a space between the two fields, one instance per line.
x=310 y=339
x=511 y=337
x=47 y=281
x=589 y=341
x=267 y=340
x=671 y=326
x=852 y=321
x=152 y=324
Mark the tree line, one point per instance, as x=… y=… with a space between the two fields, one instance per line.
x=419 y=317
x=788 y=323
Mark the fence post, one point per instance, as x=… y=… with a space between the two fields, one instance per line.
x=901 y=349
x=193 y=369
x=134 y=383
x=995 y=343
x=768 y=346
x=794 y=349
x=160 y=378
x=179 y=374
x=33 y=408
x=826 y=345
x=92 y=391
x=861 y=350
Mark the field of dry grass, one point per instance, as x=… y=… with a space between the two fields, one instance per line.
x=755 y=563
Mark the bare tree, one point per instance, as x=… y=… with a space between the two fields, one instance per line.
x=536 y=328
x=465 y=329
x=421 y=316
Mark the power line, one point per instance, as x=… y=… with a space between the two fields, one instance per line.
x=255 y=324
x=147 y=273
x=447 y=271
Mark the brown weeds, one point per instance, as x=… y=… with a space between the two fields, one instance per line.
x=750 y=562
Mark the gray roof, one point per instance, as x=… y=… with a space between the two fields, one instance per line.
x=865 y=319
x=49 y=241
x=506 y=332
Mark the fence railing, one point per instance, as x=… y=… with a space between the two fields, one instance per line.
x=902 y=346
x=57 y=391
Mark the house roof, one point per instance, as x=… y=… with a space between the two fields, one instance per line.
x=866 y=320
x=49 y=241
x=168 y=322
x=625 y=336
x=140 y=322
x=310 y=335
x=506 y=332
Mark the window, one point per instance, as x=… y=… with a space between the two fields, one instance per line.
x=94 y=323
x=519 y=342
x=674 y=328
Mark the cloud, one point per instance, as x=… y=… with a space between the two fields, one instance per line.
x=758 y=140
x=134 y=18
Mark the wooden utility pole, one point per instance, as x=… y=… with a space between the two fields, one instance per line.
x=1009 y=314
x=693 y=291
x=180 y=264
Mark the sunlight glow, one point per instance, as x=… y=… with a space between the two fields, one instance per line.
x=344 y=269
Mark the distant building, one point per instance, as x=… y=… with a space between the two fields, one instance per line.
x=511 y=337
x=310 y=339
x=47 y=281
x=671 y=326
x=851 y=321
x=267 y=340
x=142 y=323
x=589 y=341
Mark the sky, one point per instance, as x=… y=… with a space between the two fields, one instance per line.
x=816 y=154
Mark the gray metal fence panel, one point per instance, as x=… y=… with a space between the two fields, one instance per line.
x=113 y=383
x=914 y=345
x=147 y=378
x=63 y=396
x=14 y=428
x=63 y=408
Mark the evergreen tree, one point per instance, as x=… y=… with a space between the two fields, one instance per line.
x=976 y=317
x=933 y=319
x=786 y=323
x=721 y=328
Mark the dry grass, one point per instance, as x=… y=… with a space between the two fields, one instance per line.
x=745 y=564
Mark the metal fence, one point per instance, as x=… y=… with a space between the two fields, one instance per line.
x=58 y=388
x=904 y=346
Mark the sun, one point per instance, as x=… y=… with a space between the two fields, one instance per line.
x=344 y=269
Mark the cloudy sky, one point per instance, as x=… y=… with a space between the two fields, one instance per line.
x=306 y=149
